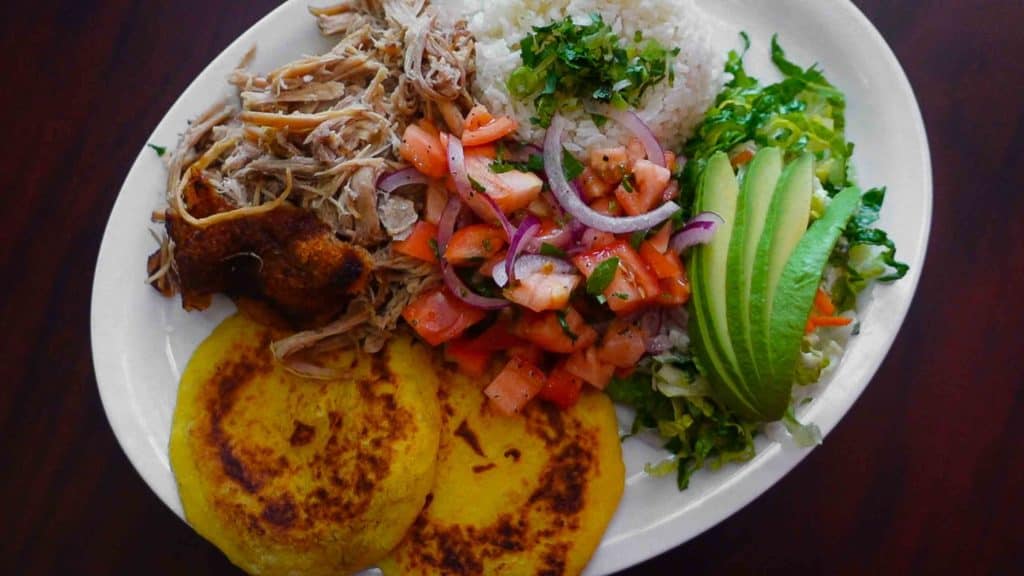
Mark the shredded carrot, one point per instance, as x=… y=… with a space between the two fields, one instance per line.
x=823 y=304
x=820 y=321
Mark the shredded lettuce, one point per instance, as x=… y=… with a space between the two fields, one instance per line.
x=697 y=430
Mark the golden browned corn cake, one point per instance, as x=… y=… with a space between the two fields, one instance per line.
x=289 y=475
x=526 y=494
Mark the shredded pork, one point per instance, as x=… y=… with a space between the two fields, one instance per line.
x=316 y=134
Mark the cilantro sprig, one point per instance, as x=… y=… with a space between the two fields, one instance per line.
x=565 y=63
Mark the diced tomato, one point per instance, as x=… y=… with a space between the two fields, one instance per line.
x=592 y=185
x=418 y=244
x=542 y=291
x=664 y=265
x=512 y=190
x=477 y=133
x=622 y=345
x=586 y=365
x=515 y=386
x=674 y=291
x=546 y=330
x=607 y=205
x=609 y=164
x=498 y=337
x=635 y=151
x=661 y=238
x=645 y=191
x=597 y=239
x=562 y=388
x=470 y=358
x=549 y=230
x=437 y=199
x=438 y=316
x=473 y=244
x=529 y=352
x=488 y=151
x=478 y=116
x=424 y=151
x=633 y=283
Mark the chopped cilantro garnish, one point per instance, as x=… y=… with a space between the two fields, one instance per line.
x=572 y=167
x=550 y=250
x=564 y=62
x=477 y=186
x=560 y=314
x=160 y=150
x=602 y=276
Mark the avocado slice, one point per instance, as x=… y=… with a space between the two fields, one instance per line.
x=795 y=297
x=755 y=197
x=714 y=354
x=785 y=223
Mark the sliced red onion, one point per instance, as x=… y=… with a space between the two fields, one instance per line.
x=699 y=230
x=457 y=168
x=445 y=229
x=572 y=203
x=630 y=121
x=533 y=263
x=405 y=177
x=527 y=229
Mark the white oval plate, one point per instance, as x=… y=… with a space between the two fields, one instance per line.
x=141 y=341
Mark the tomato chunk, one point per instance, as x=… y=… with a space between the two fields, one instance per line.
x=633 y=283
x=493 y=131
x=547 y=330
x=674 y=291
x=593 y=186
x=542 y=291
x=562 y=388
x=423 y=150
x=645 y=190
x=473 y=244
x=515 y=386
x=438 y=316
x=607 y=205
x=471 y=359
x=512 y=190
x=609 y=164
x=586 y=365
x=418 y=245
x=664 y=264
x=622 y=345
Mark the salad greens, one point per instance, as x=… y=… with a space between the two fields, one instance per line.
x=565 y=62
x=801 y=113
x=669 y=396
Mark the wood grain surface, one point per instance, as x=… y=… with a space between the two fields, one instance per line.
x=924 y=475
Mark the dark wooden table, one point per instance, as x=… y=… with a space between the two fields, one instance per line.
x=925 y=474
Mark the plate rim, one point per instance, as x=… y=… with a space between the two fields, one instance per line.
x=775 y=462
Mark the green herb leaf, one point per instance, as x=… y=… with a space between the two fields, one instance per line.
x=602 y=276
x=551 y=250
x=477 y=186
x=637 y=238
x=560 y=314
x=160 y=150
x=570 y=165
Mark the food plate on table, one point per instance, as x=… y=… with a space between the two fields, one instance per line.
x=142 y=341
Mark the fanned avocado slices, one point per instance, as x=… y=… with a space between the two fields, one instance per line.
x=754 y=283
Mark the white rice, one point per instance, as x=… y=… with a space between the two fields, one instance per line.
x=672 y=112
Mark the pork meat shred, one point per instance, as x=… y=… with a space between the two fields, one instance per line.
x=311 y=139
